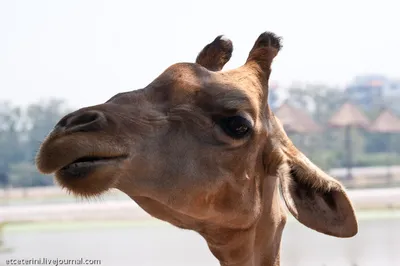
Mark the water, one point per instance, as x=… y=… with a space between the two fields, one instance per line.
x=156 y=244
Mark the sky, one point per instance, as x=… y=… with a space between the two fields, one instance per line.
x=85 y=51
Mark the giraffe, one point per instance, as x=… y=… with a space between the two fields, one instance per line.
x=200 y=148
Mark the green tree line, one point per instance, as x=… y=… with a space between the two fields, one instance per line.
x=22 y=129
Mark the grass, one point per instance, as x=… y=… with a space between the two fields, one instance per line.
x=85 y=225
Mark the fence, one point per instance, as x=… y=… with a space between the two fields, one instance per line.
x=369 y=177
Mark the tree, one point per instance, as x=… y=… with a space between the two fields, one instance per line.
x=21 y=132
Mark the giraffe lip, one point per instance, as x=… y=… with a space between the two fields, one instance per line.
x=84 y=165
x=89 y=160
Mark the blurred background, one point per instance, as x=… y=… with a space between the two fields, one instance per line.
x=335 y=86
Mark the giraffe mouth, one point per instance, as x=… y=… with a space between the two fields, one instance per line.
x=83 y=166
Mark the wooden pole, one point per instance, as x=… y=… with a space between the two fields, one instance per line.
x=389 y=163
x=349 y=152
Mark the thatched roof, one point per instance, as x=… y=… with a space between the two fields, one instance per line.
x=296 y=120
x=386 y=122
x=348 y=115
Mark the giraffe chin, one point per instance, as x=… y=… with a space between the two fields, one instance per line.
x=89 y=178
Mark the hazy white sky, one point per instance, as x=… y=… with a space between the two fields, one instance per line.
x=85 y=51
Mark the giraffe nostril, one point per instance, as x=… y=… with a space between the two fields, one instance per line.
x=83 y=121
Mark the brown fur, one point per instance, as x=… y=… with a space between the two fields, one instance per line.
x=174 y=158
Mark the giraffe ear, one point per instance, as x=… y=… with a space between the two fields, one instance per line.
x=315 y=199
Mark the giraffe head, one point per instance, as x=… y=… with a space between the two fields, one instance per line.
x=200 y=148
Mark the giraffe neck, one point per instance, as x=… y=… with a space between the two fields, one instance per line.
x=256 y=246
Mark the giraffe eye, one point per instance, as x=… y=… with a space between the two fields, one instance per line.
x=236 y=127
